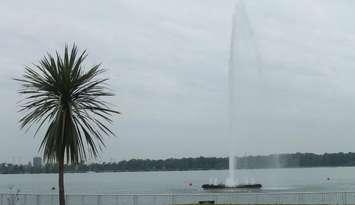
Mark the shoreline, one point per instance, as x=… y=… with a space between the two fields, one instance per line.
x=187 y=170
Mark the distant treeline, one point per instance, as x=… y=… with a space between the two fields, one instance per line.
x=199 y=163
x=297 y=160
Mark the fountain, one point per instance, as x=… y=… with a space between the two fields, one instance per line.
x=243 y=65
x=231 y=181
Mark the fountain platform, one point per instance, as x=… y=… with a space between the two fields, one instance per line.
x=236 y=187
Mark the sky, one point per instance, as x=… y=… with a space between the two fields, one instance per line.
x=168 y=64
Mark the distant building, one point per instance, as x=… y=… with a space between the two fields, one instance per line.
x=37 y=161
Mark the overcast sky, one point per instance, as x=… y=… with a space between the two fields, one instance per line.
x=168 y=65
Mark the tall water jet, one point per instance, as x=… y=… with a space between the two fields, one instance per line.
x=243 y=66
x=231 y=181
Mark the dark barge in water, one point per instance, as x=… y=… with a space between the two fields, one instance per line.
x=224 y=187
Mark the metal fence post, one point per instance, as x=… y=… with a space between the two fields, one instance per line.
x=38 y=201
x=135 y=199
x=345 y=198
x=172 y=199
x=154 y=200
x=98 y=200
x=82 y=200
x=116 y=199
x=300 y=198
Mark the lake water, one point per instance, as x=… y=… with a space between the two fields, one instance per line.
x=273 y=180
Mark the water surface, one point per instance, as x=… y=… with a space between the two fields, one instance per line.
x=290 y=180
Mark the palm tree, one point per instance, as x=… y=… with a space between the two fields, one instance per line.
x=63 y=96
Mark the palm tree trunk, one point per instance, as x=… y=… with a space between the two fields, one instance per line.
x=61 y=165
x=61 y=182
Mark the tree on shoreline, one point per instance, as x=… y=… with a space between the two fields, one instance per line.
x=64 y=96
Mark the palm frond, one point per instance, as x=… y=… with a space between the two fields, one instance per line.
x=67 y=98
